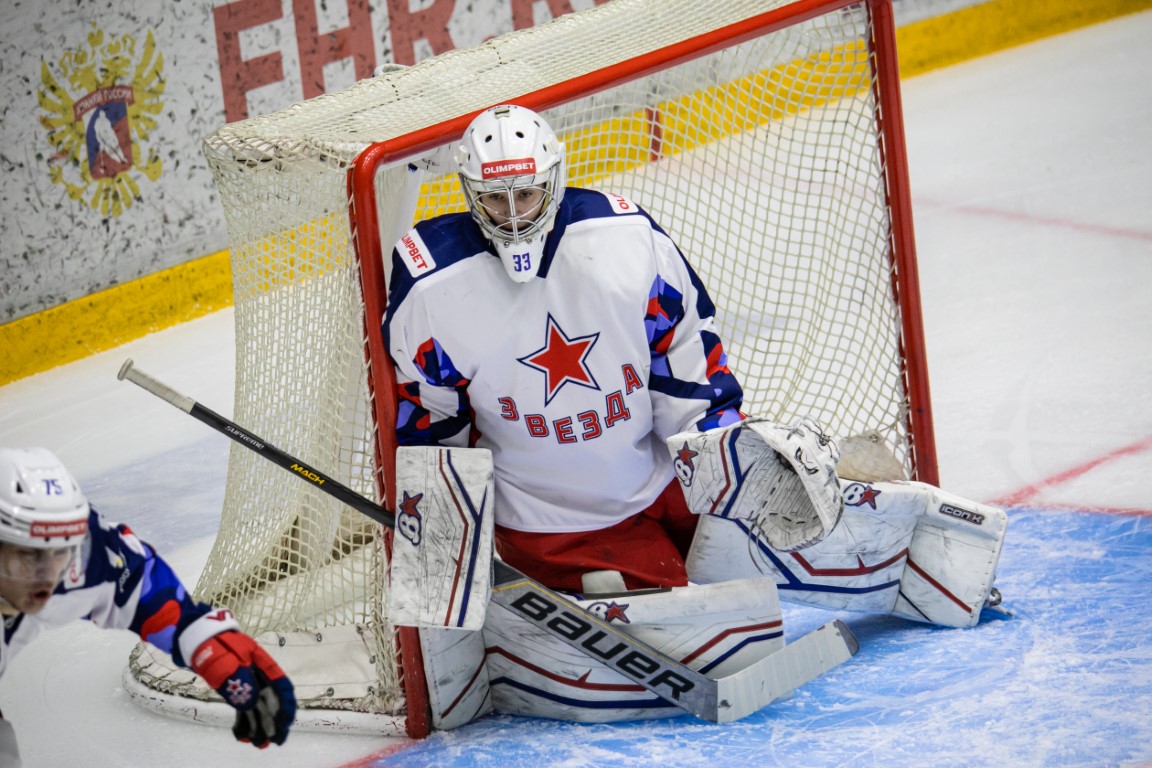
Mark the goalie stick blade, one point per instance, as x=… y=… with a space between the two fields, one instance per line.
x=672 y=681
x=850 y=641
x=775 y=676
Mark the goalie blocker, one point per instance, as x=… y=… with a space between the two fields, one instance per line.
x=768 y=509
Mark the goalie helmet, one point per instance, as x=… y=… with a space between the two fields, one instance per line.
x=512 y=174
x=41 y=506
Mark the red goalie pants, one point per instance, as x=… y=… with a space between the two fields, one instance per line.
x=648 y=548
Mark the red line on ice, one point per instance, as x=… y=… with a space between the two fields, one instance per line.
x=1129 y=511
x=1051 y=221
x=373 y=760
x=1026 y=493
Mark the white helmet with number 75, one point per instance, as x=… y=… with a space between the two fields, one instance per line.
x=41 y=505
x=43 y=528
x=512 y=173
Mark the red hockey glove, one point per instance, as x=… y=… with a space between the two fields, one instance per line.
x=252 y=682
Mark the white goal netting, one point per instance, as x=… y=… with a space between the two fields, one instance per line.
x=754 y=131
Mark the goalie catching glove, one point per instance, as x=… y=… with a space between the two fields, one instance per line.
x=245 y=675
x=779 y=479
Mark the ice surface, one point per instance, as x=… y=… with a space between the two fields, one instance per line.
x=1030 y=176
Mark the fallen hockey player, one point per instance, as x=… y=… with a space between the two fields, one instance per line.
x=61 y=561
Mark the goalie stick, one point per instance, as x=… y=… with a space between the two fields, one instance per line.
x=719 y=700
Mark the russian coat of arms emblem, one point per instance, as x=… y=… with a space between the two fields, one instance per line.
x=100 y=105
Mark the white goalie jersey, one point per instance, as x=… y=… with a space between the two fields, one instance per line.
x=572 y=380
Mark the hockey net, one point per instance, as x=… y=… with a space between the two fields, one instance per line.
x=764 y=136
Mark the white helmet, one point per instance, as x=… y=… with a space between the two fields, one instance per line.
x=509 y=149
x=41 y=506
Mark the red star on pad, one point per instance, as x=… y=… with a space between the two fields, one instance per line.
x=562 y=360
x=616 y=611
x=408 y=505
x=868 y=497
x=686 y=454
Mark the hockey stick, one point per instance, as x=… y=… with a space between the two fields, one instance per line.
x=718 y=700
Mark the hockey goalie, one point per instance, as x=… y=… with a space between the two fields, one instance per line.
x=566 y=405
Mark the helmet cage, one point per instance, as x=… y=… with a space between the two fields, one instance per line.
x=520 y=226
x=508 y=150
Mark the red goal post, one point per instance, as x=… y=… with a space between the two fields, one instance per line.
x=765 y=136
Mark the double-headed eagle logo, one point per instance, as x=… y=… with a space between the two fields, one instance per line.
x=100 y=105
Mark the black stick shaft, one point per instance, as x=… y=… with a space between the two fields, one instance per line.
x=255 y=443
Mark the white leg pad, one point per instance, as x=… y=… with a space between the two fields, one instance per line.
x=441 y=570
x=716 y=629
x=457 y=676
x=901 y=547
x=951 y=561
x=856 y=567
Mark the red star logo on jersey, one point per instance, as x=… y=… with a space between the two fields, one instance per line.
x=562 y=360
